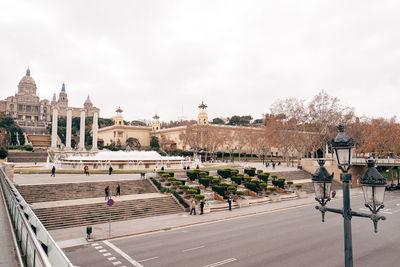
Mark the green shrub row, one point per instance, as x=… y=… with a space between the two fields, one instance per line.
x=250 y=171
x=166 y=190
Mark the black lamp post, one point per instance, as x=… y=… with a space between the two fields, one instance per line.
x=373 y=187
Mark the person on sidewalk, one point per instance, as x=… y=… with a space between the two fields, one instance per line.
x=118 y=190
x=107 y=193
x=86 y=170
x=230 y=202
x=53 y=171
x=110 y=170
x=193 y=207
x=201 y=206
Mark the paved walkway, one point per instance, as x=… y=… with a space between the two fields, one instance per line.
x=7 y=252
x=83 y=201
x=76 y=236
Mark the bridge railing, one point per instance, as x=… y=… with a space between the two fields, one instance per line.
x=35 y=244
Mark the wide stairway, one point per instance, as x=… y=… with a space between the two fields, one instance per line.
x=81 y=215
x=67 y=191
x=27 y=156
x=57 y=208
x=40 y=140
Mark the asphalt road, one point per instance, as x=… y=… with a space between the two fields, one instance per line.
x=292 y=237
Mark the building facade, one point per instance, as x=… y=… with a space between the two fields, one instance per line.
x=26 y=106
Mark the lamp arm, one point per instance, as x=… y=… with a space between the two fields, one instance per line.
x=324 y=209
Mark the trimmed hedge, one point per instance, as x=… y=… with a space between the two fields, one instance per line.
x=192 y=175
x=234 y=172
x=298 y=186
x=171 y=179
x=247 y=179
x=239 y=193
x=224 y=173
x=216 y=181
x=191 y=192
x=165 y=175
x=220 y=190
x=184 y=187
x=279 y=183
x=263 y=185
x=263 y=177
x=251 y=171
x=236 y=179
x=272 y=189
x=204 y=181
x=289 y=182
x=178 y=183
x=231 y=188
x=166 y=190
x=171 y=174
x=251 y=186
x=199 y=197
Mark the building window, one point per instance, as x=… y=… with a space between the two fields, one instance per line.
x=19 y=107
x=36 y=118
x=28 y=108
x=20 y=117
x=28 y=118
x=12 y=107
x=37 y=109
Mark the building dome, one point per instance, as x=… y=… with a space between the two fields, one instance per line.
x=27 y=84
x=88 y=103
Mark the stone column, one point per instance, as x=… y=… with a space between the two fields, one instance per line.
x=82 y=131
x=54 y=128
x=95 y=127
x=69 y=126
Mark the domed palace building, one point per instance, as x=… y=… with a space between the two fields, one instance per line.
x=33 y=114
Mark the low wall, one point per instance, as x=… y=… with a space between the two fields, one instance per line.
x=311 y=165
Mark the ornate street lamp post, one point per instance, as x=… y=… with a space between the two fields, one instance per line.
x=372 y=182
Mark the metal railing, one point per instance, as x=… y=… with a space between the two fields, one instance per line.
x=37 y=248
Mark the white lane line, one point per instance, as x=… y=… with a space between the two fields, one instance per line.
x=123 y=254
x=190 y=249
x=220 y=262
x=95 y=244
x=106 y=254
x=116 y=263
x=111 y=258
x=102 y=250
x=149 y=259
x=98 y=247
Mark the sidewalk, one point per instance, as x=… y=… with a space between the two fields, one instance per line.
x=7 y=253
x=76 y=236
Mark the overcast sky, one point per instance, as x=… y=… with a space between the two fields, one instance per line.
x=237 y=56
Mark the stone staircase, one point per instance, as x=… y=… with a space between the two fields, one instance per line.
x=67 y=191
x=32 y=156
x=89 y=214
x=40 y=140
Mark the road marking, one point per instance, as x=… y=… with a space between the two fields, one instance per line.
x=398 y=204
x=123 y=254
x=220 y=262
x=102 y=250
x=116 y=263
x=149 y=259
x=190 y=249
x=98 y=247
x=106 y=254
x=95 y=244
x=111 y=258
x=185 y=231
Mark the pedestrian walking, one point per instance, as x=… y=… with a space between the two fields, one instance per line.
x=333 y=193
x=53 y=171
x=273 y=165
x=230 y=202
x=201 y=206
x=107 y=193
x=193 y=207
x=118 y=190
x=110 y=170
x=162 y=168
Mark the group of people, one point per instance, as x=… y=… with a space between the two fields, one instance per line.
x=272 y=163
x=108 y=193
x=194 y=203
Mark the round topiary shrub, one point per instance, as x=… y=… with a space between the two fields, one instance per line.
x=251 y=186
x=298 y=186
x=199 y=197
x=204 y=181
x=184 y=187
x=239 y=193
x=247 y=179
x=231 y=188
x=263 y=177
x=263 y=185
x=3 y=153
x=177 y=183
x=274 y=176
x=165 y=175
x=236 y=179
x=191 y=191
x=171 y=179
x=224 y=184
x=271 y=189
x=289 y=182
x=216 y=181
x=259 y=171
